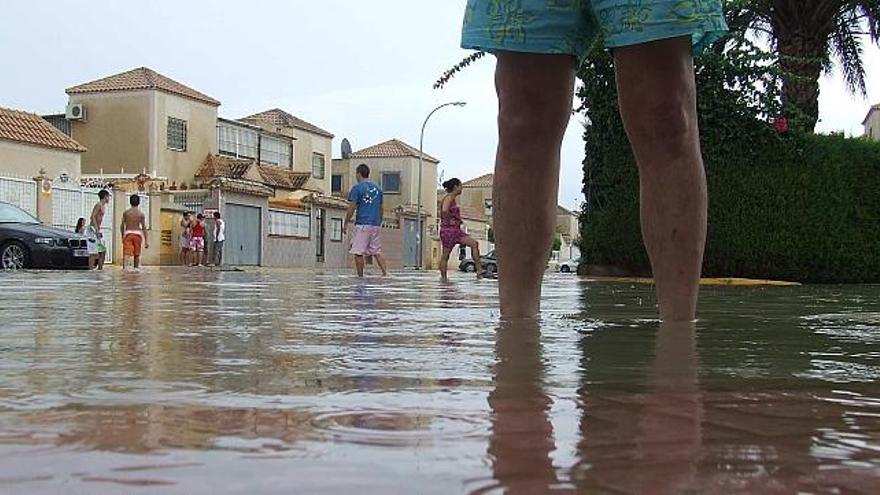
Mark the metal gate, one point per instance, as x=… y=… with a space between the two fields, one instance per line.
x=71 y=204
x=244 y=232
x=19 y=192
x=410 y=243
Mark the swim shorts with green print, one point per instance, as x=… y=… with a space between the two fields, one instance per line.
x=571 y=26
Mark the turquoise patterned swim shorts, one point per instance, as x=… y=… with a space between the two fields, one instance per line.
x=571 y=26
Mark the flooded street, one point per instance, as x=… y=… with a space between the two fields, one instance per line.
x=179 y=381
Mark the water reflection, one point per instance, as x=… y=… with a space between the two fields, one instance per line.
x=646 y=436
x=190 y=381
x=522 y=437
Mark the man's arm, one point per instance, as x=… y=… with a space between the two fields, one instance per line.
x=350 y=212
x=144 y=230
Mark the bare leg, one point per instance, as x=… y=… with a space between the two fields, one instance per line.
x=380 y=260
x=444 y=264
x=93 y=261
x=101 y=258
x=359 y=265
x=658 y=106
x=475 y=253
x=137 y=262
x=535 y=101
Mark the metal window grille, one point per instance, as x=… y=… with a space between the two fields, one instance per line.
x=289 y=224
x=317 y=165
x=391 y=182
x=176 y=137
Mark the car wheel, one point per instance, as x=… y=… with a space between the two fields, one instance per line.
x=470 y=267
x=565 y=269
x=491 y=268
x=14 y=256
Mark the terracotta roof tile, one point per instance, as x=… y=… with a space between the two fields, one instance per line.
x=29 y=128
x=283 y=178
x=216 y=166
x=327 y=201
x=393 y=148
x=240 y=186
x=141 y=78
x=481 y=181
x=277 y=117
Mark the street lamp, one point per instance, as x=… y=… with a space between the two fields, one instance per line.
x=421 y=160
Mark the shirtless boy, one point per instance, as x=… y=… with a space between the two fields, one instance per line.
x=134 y=234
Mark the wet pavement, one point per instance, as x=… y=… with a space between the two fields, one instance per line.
x=180 y=381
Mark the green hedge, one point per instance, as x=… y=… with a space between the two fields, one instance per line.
x=789 y=206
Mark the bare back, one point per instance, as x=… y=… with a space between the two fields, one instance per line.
x=134 y=220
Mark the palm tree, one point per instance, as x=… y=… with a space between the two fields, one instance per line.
x=811 y=37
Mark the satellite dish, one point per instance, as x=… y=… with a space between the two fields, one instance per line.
x=346 y=149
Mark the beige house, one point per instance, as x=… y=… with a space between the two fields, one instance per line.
x=872 y=123
x=394 y=165
x=29 y=145
x=143 y=122
x=477 y=193
x=313 y=148
x=569 y=231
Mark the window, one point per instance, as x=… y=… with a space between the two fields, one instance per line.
x=336 y=229
x=317 y=165
x=391 y=182
x=336 y=184
x=176 y=136
x=284 y=223
x=237 y=142
x=275 y=151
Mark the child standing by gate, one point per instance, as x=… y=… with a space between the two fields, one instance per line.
x=198 y=240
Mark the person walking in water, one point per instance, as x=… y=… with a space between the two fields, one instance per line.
x=93 y=231
x=451 y=233
x=134 y=235
x=366 y=199
x=537 y=44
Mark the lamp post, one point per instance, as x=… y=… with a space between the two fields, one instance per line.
x=421 y=161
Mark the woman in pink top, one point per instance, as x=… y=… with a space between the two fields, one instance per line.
x=451 y=233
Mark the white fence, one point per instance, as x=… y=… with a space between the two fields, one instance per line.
x=19 y=192
x=69 y=204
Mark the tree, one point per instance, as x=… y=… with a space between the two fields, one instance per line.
x=810 y=37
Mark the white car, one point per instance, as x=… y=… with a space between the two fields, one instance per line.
x=569 y=266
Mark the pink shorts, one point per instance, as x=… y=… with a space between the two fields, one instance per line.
x=197 y=244
x=367 y=240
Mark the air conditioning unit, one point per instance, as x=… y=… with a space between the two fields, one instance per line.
x=76 y=111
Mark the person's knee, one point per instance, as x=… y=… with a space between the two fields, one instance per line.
x=664 y=125
x=527 y=117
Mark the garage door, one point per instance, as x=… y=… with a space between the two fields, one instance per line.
x=244 y=234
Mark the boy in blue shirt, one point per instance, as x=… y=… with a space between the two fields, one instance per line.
x=366 y=198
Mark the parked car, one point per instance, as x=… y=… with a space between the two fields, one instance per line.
x=487 y=260
x=26 y=243
x=570 y=266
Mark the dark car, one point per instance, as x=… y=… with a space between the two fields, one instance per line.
x=487 y=260
x=26 y=243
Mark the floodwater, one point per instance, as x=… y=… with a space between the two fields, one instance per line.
x=179 y=381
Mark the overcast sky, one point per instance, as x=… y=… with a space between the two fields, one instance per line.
x=362 y=70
